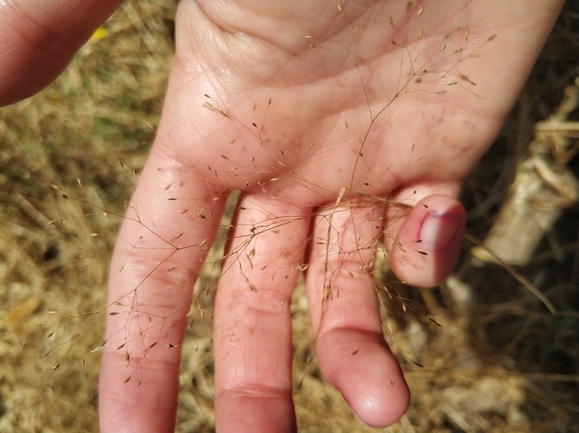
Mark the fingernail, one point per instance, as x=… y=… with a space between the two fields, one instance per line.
x=439 y=230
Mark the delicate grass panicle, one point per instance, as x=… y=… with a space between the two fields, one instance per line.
x=272 y=163
x=80 y=195
x=427 y=64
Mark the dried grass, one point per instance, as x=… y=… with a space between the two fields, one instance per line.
x=500 y=362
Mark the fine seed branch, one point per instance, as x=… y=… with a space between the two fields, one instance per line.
x=261 y=149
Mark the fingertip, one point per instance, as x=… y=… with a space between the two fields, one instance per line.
x=429 y=241
x=385 y=414
x=362 y=367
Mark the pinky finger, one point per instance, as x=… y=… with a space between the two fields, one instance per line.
x=427 y=245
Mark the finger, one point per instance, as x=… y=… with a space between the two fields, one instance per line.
x=428 y=240
x=253 y=348
x=351 y=351
x=171 y=222
x=38 y=39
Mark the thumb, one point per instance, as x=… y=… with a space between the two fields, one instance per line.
x=38 y=39
x=427 y=244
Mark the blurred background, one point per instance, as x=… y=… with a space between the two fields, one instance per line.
x=505 y=358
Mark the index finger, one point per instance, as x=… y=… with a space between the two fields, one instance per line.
x=170 y=224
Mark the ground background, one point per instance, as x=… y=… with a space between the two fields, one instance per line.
x=500 y=362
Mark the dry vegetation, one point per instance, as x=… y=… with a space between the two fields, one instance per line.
x=501 y=361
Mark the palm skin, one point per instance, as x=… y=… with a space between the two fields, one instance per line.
x=252 y=106
x=328 y=119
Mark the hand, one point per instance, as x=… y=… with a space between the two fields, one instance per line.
x=335 y=146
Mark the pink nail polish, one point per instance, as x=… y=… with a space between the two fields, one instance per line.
x=439 y=230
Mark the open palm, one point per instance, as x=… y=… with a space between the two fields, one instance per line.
x=330 y=119
x=344 y=125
